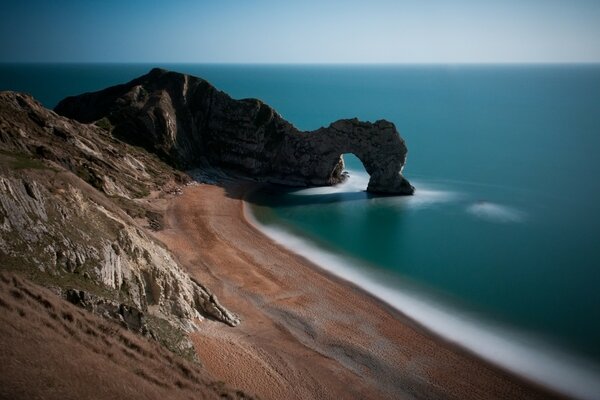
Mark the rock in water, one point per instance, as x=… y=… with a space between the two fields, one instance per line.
x=189 y=123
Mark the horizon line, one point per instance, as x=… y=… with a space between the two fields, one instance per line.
x=435 y=63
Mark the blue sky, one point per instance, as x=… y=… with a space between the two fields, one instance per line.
x=267 y=31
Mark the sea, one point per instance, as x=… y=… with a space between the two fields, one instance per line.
x=499 y=248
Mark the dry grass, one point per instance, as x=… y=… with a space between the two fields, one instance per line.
x=51 y=349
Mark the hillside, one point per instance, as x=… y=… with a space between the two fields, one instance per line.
x=74 y=218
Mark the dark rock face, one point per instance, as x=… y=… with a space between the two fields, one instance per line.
x=189 y=123
x=127 y=316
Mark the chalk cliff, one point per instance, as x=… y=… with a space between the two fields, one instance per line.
x=72 y=216
x=189 y=123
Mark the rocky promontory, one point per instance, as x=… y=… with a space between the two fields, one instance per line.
x=189 y=123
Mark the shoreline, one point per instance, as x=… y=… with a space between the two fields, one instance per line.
x=525 y=356
x=305 y=332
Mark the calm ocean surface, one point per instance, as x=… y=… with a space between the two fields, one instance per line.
x=505 y=223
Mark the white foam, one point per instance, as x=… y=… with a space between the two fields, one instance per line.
x=525 y=355
x=356 y=182
x=495 y=212
x=426 y=195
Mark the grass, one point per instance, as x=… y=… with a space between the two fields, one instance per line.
x=60 y=279
x=171 y=337
x=142 y=192
x=104 y=123
x=17 y=161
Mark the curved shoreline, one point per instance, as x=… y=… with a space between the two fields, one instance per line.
x=511 y=350
x=305 y=332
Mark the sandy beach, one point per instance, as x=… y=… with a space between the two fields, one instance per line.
x=305 y=333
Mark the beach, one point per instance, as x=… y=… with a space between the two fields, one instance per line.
x=304 y=332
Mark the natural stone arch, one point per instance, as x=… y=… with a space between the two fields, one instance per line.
x=377 y=145
x=189 y=123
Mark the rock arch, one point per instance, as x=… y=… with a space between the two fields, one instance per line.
x=188 y=122
x=377 y=145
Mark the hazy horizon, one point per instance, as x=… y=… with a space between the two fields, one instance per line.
x=159 y=64
x=310 y=32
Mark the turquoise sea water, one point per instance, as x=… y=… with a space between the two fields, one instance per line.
x=505 y=223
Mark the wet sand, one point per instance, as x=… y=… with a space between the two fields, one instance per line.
x=304 y=332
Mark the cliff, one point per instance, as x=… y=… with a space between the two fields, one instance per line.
x=72 y=217
x=188 y=123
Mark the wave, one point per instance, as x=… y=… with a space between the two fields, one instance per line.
x=357 y=182
x=495 y=212
x=426 y=195
x=507 y=347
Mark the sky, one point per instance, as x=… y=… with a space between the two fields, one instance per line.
x=308 y=31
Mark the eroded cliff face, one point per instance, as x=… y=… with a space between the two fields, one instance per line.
x=189 y=123
x=58 y=225
x=71 y=216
